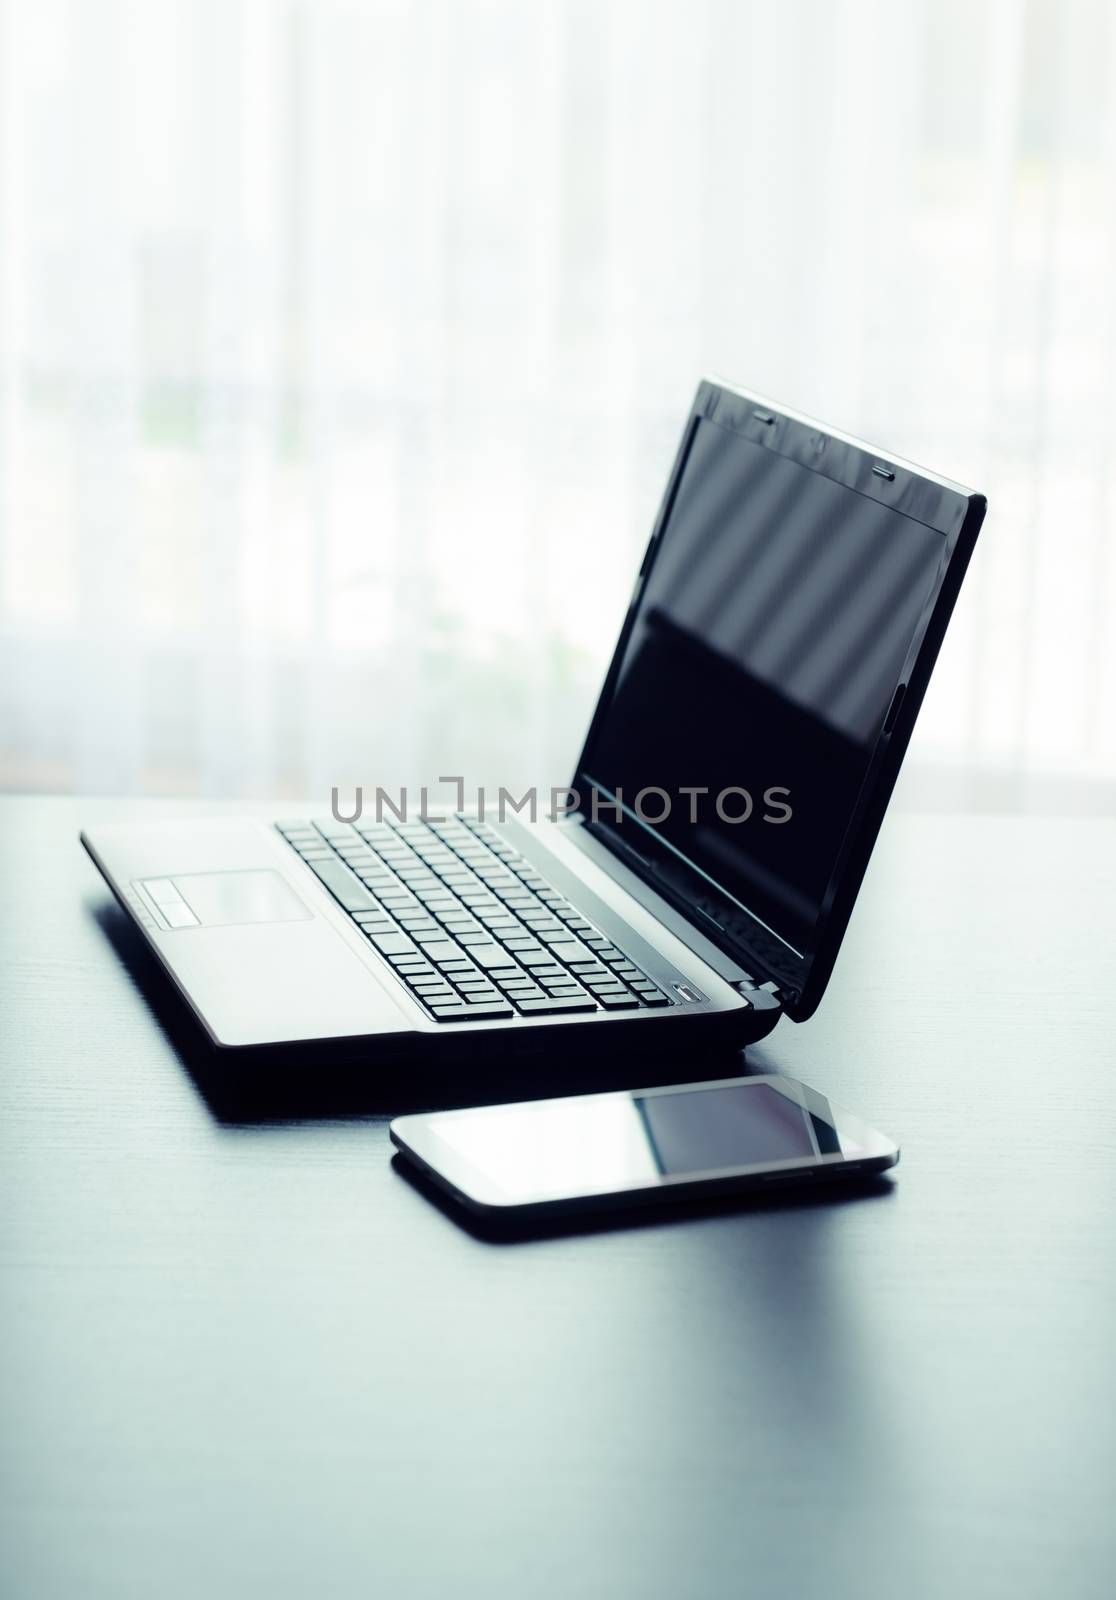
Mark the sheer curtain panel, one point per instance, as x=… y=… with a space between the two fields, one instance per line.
x=344 y=347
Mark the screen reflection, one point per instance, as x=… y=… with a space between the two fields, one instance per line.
x=599 y=1143
x=766 y=650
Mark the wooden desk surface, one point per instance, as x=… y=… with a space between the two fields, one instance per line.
x=249 y=1358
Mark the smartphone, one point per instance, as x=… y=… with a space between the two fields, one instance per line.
x=637 y=1147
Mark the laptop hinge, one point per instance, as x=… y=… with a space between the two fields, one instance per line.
x=760 y=996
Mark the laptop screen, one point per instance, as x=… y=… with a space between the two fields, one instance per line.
x=763 y=658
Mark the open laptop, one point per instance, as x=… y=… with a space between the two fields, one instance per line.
x=782 y=631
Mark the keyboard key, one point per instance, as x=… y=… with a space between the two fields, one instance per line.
x=568 y=950
x=455 y=958
x=393 y=945
x=490 y=955
x=656 y=999
x=487 y=1008
x=619 y=1002
x=556 y=1003
x=348 y=891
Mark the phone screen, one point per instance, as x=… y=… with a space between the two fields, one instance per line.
x=599 y=1144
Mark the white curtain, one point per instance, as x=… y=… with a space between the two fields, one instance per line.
x=344 y=348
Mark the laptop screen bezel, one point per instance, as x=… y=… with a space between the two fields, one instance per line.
x=952 y=511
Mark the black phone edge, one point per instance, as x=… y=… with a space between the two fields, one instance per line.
x=804 y=1178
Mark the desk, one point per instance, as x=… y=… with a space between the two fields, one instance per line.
x=248 y=1358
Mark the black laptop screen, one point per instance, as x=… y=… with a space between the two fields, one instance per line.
x=764 y=656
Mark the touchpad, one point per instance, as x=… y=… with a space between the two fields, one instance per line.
x=218 y=898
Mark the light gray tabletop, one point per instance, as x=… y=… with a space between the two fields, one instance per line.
x=249 y=1358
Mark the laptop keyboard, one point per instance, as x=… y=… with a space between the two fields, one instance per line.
x=467 y=923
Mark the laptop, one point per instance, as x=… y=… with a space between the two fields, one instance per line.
x=696 y=878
